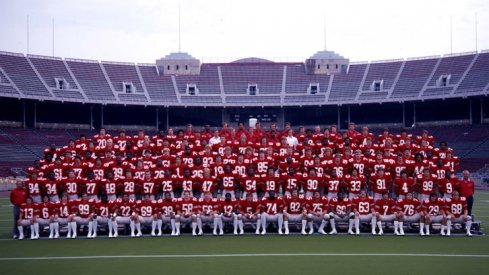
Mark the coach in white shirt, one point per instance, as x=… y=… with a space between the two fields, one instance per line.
x=216 y=139
x=291 y=140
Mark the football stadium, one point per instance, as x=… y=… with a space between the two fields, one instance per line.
x=246 y=165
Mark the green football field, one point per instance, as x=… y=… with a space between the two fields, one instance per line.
x=248 y=254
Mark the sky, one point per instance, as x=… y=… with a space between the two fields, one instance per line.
x=224 y=30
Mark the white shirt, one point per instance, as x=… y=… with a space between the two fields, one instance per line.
x=214 y=140
x=292 y=141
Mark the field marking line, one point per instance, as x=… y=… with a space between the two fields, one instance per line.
x=242 y=255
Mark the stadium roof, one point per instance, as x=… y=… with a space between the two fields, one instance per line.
x=326 y=55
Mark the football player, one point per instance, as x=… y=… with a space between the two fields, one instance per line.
x=456 y=212
x=249 y=211
x=317 y=207
x=363 y=206
x=341 y=211
x=386 y=211
x=271 y=212
x=295 y=211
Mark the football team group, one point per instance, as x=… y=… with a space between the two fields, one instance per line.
x=312 y=180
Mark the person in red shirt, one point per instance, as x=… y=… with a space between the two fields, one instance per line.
x=363 y=207
x=187 y=210
x=433 y=213
x=295 y=210
x=227 y=214
x=146 y=213
x=317 y=209
x=466 y=188
x=403 y=185
x=249 y=211
x=456 y=212
x=18 y=196
x=272 y=212
x=409 y=210
x=167 y=209
x=386 y=211
x=28 y=212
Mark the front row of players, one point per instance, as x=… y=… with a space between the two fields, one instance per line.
x=293 y=208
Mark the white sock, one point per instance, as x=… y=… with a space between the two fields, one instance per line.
x=109 y=223
x=401 y=226
x=468 y=225
x=449 y=225
x=73 y=228
x=357 y=224
x=56 y=228
x=421 y=227
x=173 y=225
x=324 y=222
x=94 y=227
x=115 y=227
x=427 y=228
x=132 y=225
x=194 y=226
x=258 y=224
x=90 y=226
x=304 y=223
x=51 y=229
x=153 y=225
x=216 y=224
x=159 y=224
x=138 y=227
x=311 y=225
x=396 y=226
x=177 y=227
x=199 y=224
x=235 y=224
x=379 y=225
x=21 y=230
x=281 y=222
x=240 y=224
x=285 y=223
x=221 y=223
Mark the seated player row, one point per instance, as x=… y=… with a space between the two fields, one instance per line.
x=294 y=208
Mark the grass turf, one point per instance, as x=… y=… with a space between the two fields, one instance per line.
x=296 y=264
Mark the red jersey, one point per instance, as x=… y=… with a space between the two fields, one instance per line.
x=91 y=186
x=208 y=185
x=270 y=183
x=72 y=186
x=188 y=207
x=466 y=187
x=28 y=211
x=294 y=205
x=317 y=205
x=334 y=184
x=83 y=208
x=167 y=184
x=128 y=186
x=354 y=185
x=426 y=185
x=249 y=207
x=62 y=209
x=249 y=184
x=291 y=181
x=380 y=184
x=103 y=209
x=456 y=207
x=409 y=207
x=45 y=210
x=146 y=208
x=51 y=188
x=167 y=207
x=312 y=184
x=228 y=207
x=447 y=186
x=402 y=187
x=207 y=207
x=110 y=186
x=229 y=180
x=33 y=187
x=272 y=207
x=433 y=208
x=385 y=207
x=124 y=209
x=149 y=187
x=340 y=207
x=363 y=206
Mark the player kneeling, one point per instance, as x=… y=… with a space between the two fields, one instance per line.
x=317 y=207
x=341 y=212
x=146 y=214
x=167 y=207
x=28 y=217
x=208 y=213
x=386 y=211
x=409 y=212
x=456 y=212
x=187 y=212
x=228 y=214
x=271 y=212
x=249 y=211
x=433 y=213
x=295 y=211
x=363 y=206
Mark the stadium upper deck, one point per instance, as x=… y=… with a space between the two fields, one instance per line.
x=243 y=83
